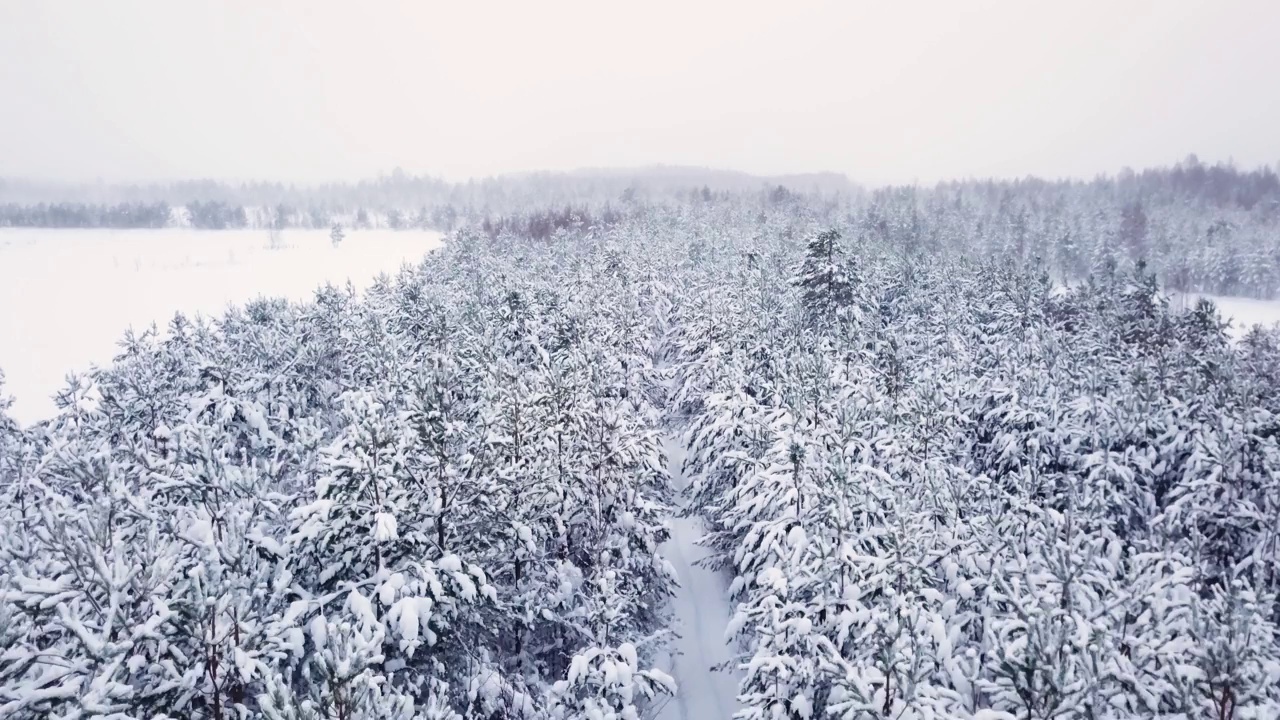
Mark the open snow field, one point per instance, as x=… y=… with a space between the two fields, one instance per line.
x=67 y=296
x=1243 y=313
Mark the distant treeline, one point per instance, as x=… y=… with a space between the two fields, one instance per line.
x=81 y=215
x=544 y=224
x=538 y=223
x=217 y=215
x=408 y=194
x=398 y=201
x=1198 y=227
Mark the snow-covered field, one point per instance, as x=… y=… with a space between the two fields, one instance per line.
x=67 y=296
x=1243 y=313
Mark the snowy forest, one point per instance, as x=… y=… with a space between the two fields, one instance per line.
x=1200 y=228
x=955 y=454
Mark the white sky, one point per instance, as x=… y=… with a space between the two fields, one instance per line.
x=890 y=90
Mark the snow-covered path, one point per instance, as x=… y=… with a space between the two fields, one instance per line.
x=701 y=616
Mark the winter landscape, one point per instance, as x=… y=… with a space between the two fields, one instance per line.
x=956 y=406
x=144 y=277
x=682 y=455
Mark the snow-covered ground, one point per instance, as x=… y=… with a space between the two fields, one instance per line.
x=67 y=296
x=701 y=617
x=1243 y=313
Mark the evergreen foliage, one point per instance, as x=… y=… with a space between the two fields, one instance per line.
x=939 y=484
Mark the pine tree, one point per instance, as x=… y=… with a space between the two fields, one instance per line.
x=824 y=279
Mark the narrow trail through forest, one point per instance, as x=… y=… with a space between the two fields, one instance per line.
x=702 y=613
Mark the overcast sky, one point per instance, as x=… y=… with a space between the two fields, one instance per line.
x=890 y=90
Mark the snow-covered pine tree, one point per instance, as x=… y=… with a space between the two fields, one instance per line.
x=825 y=280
